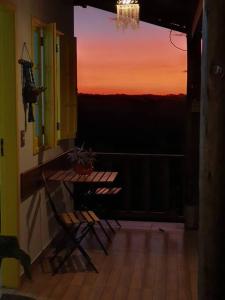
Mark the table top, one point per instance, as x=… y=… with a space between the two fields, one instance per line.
x=94 y=177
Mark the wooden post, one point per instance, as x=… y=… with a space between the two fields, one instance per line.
x=212 y=155
x=192 y=131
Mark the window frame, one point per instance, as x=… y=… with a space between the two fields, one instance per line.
x=46 y=139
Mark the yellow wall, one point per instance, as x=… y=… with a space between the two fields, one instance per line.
x=8 y=132
x=47 y=11
x=35 y=227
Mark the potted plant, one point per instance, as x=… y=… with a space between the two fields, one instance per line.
x=82 y=160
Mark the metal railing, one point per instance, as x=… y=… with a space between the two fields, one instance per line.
x=153 y=184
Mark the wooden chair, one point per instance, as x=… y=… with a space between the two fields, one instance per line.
x=99 y=196
x=108 y=191
x=75 y=226
x=92 y=215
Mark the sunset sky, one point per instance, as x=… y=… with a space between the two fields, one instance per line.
x=112 y=61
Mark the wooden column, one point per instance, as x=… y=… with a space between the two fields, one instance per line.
x=212 y=155
x=192 y=130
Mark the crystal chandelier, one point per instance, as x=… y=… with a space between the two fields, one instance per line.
x=127 y=13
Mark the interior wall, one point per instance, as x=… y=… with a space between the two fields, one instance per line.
x=36 y=229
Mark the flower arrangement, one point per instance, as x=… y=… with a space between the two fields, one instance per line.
x=82 y=159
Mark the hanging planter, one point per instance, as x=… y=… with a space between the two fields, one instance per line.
x=29 y=91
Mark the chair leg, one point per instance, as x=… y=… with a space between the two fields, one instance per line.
x=82 y=251
x=66 y=256
x=109 y=225
x=63 y=261
x=101 y=209
x=103 y=229
x=99 y=240
x=71 y=234
x=105 y=232
x=118 y=223
x=87 y=257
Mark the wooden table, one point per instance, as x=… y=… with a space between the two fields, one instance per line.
x=95 y=177
x=86 y=184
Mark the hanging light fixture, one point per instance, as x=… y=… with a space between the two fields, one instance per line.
x=127 y=13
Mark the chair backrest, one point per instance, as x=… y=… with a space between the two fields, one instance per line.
x=51 y=202
x=48 y=193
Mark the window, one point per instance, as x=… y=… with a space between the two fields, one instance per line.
x=38 y=59
x=44 y=75
x=54 y=56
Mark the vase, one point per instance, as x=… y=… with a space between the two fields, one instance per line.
x=83 y=169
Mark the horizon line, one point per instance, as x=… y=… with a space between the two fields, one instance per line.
x=124 y=94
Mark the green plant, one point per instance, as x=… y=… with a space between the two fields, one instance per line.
x=82 y=156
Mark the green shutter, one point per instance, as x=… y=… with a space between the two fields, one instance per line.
x=68 y=88
x=57 y=88
x=38 y=140
x=49 y=71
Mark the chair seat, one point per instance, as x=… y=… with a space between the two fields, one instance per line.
x=78 y=217
x=108 y=191
x=68 y=218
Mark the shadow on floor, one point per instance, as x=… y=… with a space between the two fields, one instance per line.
x=15 y=297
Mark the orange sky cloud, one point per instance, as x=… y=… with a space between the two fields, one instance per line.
x=141 y=61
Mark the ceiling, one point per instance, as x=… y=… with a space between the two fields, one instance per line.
x=173 y=14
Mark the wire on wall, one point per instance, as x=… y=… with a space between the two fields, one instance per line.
x=171 y=41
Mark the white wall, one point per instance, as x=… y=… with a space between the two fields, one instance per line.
x=36 y=228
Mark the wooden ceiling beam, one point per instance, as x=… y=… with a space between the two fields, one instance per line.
x=197 y=17
x=170 y=14
x=156 y=17
x=164 y=24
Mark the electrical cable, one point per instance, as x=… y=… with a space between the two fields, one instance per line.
x=171 y=41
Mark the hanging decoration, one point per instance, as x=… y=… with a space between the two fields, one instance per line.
x=127 y=14
x=30 y=92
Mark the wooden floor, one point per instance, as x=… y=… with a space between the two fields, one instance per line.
x=152 y=261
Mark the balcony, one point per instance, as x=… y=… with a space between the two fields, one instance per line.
x=146 y=259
